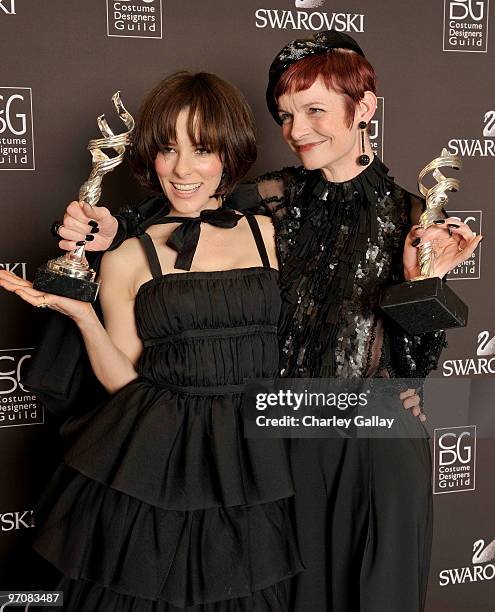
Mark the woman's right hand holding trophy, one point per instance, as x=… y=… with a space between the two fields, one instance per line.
x=95 y=226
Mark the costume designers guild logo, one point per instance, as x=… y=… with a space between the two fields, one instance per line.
x=454 y=459
x=377 y=128
x=280 y=19
x=469 y=269
x=484 y=363
x=7 y=7
x=477 y=147
x=16 y=129
x=465 y=25
x=18 y=406
x=481 y=568
x=134 y=18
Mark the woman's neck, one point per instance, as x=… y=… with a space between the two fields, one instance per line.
x=211 y=204
x=347 y=169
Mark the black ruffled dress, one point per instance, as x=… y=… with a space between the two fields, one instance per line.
x=161 y=504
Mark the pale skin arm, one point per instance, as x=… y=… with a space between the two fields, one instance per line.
x=113 y=350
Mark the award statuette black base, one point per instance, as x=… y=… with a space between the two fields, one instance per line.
x=424 y=306
x=48 y=280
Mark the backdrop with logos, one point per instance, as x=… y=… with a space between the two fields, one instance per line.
x=62 y=60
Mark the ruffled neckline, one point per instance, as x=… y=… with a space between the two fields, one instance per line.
x=373 y=180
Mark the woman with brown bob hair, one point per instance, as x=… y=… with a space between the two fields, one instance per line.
x=161 y=504
x=218 y=115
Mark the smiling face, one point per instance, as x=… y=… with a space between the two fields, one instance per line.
x=189 y=173
x=315 y=127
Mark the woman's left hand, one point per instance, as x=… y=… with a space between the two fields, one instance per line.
x=412 y=401
x=453 y=243
x=74 y=309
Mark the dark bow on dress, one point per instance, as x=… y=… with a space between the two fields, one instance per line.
x=184 y=239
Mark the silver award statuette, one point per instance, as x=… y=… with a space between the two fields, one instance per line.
x=426 y=303
x=70 y=274
x=436 y=198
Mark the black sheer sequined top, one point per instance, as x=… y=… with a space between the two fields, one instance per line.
x=339 y=244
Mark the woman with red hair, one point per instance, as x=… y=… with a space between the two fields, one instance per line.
x=344 y=230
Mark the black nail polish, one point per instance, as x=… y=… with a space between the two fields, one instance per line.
x=416 y=241
x=95 y=230
x=80 y=243
x=453 y=225
x=89 y=237
x=93 y=223
x=439 y=221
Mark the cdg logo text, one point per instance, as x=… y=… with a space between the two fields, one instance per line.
x=460 y=9
x=12 y=376
x=452 y=452
x=15 y=123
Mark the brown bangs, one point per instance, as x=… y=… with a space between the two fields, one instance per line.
x=219 y=119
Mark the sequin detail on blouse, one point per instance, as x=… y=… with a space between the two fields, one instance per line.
x=340 y=244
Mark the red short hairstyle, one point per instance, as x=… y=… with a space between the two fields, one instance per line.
x=342 y=70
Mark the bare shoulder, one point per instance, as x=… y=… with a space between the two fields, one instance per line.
x=123 y=261
x=264 y=221
x=266 y=226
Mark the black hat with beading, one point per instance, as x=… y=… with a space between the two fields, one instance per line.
x=299 y=49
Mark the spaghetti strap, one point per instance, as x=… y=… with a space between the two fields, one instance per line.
x=255 y=228
x=151 y=255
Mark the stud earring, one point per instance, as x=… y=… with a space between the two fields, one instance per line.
x=363 y=159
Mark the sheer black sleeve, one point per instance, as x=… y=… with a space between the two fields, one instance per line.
x=269 y=193
x=272 y=194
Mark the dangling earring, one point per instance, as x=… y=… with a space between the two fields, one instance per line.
x=363 y=159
